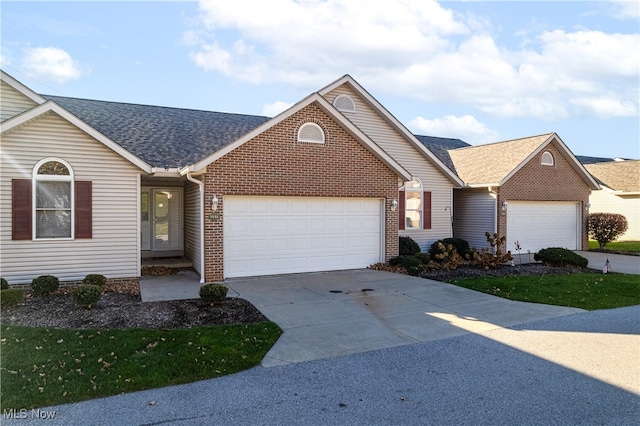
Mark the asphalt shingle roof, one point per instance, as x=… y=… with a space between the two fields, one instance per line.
x=440 y=148
x=162 y=136
x=617 y=175
x=491 y=163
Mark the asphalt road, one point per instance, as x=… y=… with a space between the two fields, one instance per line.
x=575 y=370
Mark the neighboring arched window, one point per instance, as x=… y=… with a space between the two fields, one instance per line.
x=53 y=199
x=546 y=159
x=413 y=204
x=310 y=132
x=344 y=103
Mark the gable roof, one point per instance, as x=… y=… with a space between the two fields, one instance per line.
x=163 y=137
x=622 y=176
x=387 y=116
x=21 y=88
x=493 y=164
x=441 y=146
x=316 y=98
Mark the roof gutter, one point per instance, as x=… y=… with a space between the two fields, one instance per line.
x=201 y=188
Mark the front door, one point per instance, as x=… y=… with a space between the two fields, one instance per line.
x=161 y=221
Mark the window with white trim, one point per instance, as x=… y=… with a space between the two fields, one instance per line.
x=413 y=204
x=344 y=103
x=310 y=132
x=53 y=199
x=546 y=159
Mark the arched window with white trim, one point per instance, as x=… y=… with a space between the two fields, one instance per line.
x=310 y=132
x=53 y=199
x=415 y=206
x=546 y=159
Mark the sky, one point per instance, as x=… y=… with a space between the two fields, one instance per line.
x=475 y=70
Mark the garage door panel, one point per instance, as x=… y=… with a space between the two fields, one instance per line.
x=538 y=225
x=266 y=236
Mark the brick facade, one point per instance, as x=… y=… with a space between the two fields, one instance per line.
x=535 y=182
x=275 y=164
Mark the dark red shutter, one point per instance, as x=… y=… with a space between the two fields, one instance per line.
x=426 y=210
x=21 y=217
x=84 y=209
x=401 y=210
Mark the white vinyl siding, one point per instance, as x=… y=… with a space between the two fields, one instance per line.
x=12 y=102
x=538 y=224
x=401 y=150
x=114 y=248
x=475 y=214
x=192 y=224
x=605 y=201
x=283 y=235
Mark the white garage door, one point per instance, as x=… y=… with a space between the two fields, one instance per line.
x=538 y=225
x=281 y=235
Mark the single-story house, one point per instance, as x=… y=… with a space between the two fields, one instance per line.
x=532 y=190
x=95 y=187
x=620 y=193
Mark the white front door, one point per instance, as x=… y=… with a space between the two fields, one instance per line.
x=279 y=235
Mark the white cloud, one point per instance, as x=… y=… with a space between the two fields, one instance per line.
x=466 y=128
x=275 y=108
x=51 y=64
x=418 y=49
x=625 y=9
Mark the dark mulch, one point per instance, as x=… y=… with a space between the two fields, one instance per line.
x=465 y=271
x=121 y=311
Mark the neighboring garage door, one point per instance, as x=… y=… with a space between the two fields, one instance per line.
x=280 y=235
x=538 y=225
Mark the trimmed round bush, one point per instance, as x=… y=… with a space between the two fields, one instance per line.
x=87 y=295
x=95 y=279
x=10 y=298
x=407 y=246
x=558 y=256
x=213 y=293
x=45 y=285
x=4 y=285
x=424 y=258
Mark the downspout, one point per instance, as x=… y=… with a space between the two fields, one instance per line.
x=201 y=187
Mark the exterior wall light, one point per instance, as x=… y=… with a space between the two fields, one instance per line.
x=214 y=203
x=587 y=206
x=394 y=205
x=504 y=206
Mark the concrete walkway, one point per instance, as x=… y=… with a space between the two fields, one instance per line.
x=329 y=314
x=617 y=262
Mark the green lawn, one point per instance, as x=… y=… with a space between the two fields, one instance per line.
x=621 y=246
x=43 y=366
x=581 y=290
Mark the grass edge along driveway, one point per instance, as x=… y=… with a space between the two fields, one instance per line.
x=47 y=366
x=590 y=291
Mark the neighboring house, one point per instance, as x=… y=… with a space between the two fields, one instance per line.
x=620 y=193
x=532 y=190
x=94 y=187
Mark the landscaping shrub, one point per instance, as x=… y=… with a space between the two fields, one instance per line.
x=95 y=279
x=461 y=246
x=412 y=264
x=4 y=285
x=213 y=292
x=494 y=256
x=10 y=298
x=424 y=258
x=606 y=227
x=444 y=256
x=44 y=285
x=557 y=256
x=407 y=246
x=87 y=295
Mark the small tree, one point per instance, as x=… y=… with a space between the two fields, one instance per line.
x=606 y=227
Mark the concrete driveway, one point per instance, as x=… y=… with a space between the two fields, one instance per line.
x=328 y=314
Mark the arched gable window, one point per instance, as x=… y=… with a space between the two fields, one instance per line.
x=546 y=159
x=53 y=199
x=414 y=206
x=344 y=103
x=310 y=132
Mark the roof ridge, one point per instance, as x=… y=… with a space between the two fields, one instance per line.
x=49 y=97
x=505 y=141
